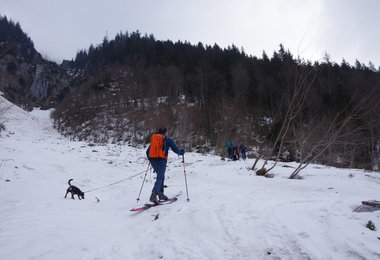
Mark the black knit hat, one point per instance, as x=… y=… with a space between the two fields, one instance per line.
x=162 y=130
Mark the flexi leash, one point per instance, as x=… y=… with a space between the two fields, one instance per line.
x=115 y=182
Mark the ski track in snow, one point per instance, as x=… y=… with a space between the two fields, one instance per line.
x=232 y=214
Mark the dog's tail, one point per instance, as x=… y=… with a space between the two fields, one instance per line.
x=70 y=182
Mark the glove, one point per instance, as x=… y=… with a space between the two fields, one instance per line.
x=182 y=152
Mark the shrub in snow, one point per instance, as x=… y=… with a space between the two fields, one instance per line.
x=371 y=226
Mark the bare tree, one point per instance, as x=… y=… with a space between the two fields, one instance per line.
x=314 y=148
x=3 y=110
x=317 y=149
x=304 y=79
x=240 y=82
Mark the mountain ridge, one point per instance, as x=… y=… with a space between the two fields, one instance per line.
x=123 y=89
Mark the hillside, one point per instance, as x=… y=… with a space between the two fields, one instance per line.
x=232 y=213
x=129 y=86
x=123 y=89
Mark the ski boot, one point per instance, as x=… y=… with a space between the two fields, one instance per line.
x=162 y=196
x=153 y=198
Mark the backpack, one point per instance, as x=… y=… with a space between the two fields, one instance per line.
x=157 y=146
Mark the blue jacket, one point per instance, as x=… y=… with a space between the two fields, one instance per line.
x=169 y=143
x=229 y=144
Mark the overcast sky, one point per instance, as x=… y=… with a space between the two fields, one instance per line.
x=346 y=29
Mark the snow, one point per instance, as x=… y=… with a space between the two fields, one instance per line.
x=232 y=213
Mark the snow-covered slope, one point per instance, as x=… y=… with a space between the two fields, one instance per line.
x=232 y=214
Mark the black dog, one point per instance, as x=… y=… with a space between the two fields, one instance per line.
x=74 y=191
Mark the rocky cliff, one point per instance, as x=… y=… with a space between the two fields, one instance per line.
x=34 y=82
x=27 y=79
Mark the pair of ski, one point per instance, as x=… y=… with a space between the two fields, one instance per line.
x=151 y=205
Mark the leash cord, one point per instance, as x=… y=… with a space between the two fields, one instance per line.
x=115 y=182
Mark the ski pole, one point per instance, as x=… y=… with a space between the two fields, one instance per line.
x=184 y=171
x=138 y=198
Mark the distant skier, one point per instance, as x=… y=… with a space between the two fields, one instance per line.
x=157 y=154
x=235 y=154
x=230 y=148
x=243 y=151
